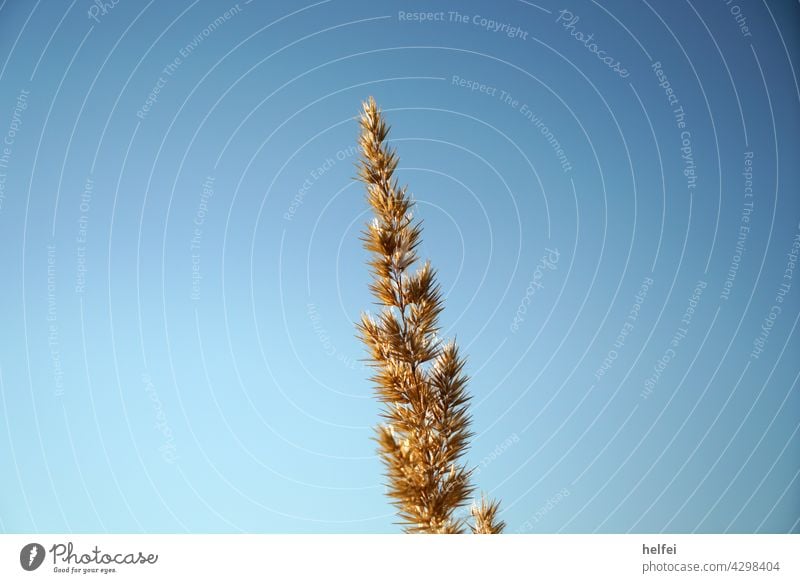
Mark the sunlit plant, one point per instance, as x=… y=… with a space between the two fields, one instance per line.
x=419 y=378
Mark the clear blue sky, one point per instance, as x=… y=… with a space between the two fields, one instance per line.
x=609 y=194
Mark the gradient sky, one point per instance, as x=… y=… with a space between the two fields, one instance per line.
x=612 y=219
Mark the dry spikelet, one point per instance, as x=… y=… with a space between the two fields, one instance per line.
x=418 y=378
x=485 y=516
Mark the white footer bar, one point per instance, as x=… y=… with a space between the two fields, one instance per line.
x=400 y=558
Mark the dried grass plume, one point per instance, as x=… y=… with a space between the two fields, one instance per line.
x=418 y=378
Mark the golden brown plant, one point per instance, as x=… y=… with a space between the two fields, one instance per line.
x=419 y=379
x=485 y=516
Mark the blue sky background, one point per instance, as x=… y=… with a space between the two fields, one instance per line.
x=148 y=400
